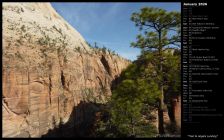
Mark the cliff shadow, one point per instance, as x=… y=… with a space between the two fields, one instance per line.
x=114 y=83
x=81 y=122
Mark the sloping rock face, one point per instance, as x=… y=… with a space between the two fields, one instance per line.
x=48 y=69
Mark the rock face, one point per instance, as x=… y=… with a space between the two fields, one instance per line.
x=172 y=117
x=48 y=69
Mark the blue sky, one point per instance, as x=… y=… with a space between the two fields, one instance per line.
x=108 y=24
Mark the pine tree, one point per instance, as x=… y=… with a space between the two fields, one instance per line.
x=156 y=24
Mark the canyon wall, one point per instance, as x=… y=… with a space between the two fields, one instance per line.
x=49 y=69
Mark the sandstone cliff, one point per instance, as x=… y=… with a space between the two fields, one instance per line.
x=48 y=69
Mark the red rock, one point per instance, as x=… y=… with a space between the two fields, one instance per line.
x=48 y=69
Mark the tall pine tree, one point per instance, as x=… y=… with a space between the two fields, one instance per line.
x=161 y=32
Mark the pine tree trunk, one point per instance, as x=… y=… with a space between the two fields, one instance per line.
x=160 y=116
x=161 y=104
